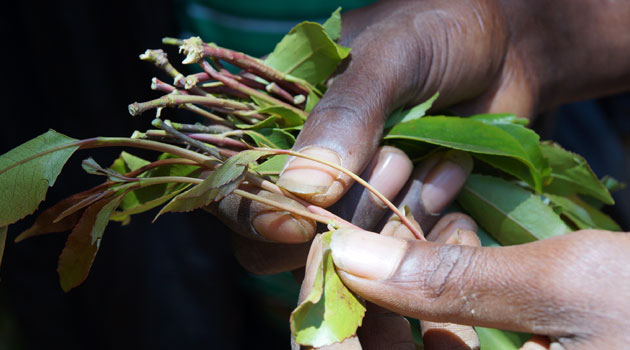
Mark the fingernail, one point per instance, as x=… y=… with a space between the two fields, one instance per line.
x=308 y=178
x=444 y=230
x=366 y=254
x=445 y=180
x=279 y=227
x=390 y=174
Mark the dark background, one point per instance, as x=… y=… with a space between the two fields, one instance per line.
x=73 y=66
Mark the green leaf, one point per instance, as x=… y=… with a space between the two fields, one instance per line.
x=147 y=205
x=511 y=214
x=92 y=167
x=220 y=183
x=272 y=166
x=330 y=313
x=81 y=247
x=272 y=138
x=500 y=119
x=529 y=140
x=3 y=241
x=132 y=162
x=308 y=53
x=28 y=170
x=311 y=101
x=332 y=26
x=403 y=116
x=571 y=174
x=45 y=222
x=612 y=185
x=288 y=117
x=583 y=215
x=490 y=141
x=270 y=122
x=495 y=339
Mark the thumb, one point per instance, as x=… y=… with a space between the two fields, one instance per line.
x=345 y=127
x=546 y=287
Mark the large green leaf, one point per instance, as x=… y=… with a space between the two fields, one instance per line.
x=583 y=215
x=495 y=339
x=330 y=313
x=83 y=242
x=487 y=141
x=217 y=185
x=511 y=214
x=405 y=115
x=272 y=166
x=308 y=53
x=28 y=170
x=571 y=174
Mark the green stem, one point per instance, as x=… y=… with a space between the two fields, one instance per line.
x=353 y=176
x=172 y=100
x=299 y=212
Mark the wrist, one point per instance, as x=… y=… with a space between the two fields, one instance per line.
x=571 y=50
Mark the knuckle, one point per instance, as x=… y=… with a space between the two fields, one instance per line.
x=447 y=274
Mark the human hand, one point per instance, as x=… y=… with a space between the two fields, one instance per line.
x=572 y=288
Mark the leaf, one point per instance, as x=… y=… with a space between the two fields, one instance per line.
x=92 y=167
x=28 y=170
x=142 y=207
x=132 y=162
x=217 y=185
x=288 y=117
x=272 y=166
x=612 y=185
x=272 y=138
x=332 y=26
x=45 y=222
x=505 y=140
x=499 y=119
x=571 y=174
x=330 y=313
x=308 y=53
x=81 y=247
x=419 y=111
x=583 y=215
x=311 y=101
x=495 y=339
x=529 y=140
x=511 y=214
x=3 y=241
x=267 y=123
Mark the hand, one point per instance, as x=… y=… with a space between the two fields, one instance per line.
x=572 y=288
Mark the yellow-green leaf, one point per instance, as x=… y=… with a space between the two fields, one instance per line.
x=331 y=312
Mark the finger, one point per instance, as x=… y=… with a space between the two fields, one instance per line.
x=385 y=330
x=454 y=228
x=264 y=258
x=537 y=342
x=345 y=127
x=262 y=222
x=528 y=288
x=434 y=184
x=387 y=172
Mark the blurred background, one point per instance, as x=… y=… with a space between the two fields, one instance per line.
x=73 y=66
